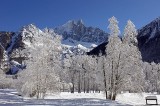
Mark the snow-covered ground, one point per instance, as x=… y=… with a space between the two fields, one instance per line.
x=10 y=97
x=136 y=98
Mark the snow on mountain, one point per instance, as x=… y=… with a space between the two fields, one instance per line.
x=29 y=32
x=149 y=41
x=71 y=46
x=150 y=30
x=12 y=43
x=72 y=42
x=76 y=30
x=76 y=39
x=69 y=26
x=79 y=39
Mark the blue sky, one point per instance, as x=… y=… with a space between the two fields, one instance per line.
x=51 y=13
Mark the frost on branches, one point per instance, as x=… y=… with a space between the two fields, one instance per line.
x=41 y=76
x=123 y=63
x=83 y=73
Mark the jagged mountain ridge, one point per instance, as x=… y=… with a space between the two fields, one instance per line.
x=15 y=42
x=76 y=30
x=79 y=39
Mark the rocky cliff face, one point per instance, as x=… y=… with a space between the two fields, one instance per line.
x=10 y=45
x=76 y=30
x=149 y=41
x=5 y=39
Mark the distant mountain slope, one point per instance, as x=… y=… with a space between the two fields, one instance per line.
x=148 y=42
x=99 y=49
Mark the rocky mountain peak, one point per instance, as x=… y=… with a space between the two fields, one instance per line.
x=29 y=32
x=76 y=30
x=29 y=27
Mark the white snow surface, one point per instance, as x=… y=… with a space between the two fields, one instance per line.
x=71 y=42
x=152 y=34
x=12 y=43
x=27 y=43
x=15 y=62
x=76 y=95
x=9 y=97
x=71 y=46
x=136 y=98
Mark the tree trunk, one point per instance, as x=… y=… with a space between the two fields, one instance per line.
x=112 y=83
x=104 y=81
x=79 y=84
x=115 y=78
x=114 y=96
x=93 y=87
x=88 y=86
x=84 y=87
x=72 y=88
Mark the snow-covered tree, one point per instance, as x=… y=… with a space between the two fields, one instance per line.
x=101 y=66
x=113 y=26
x=123 y=60
x=132 y=57
x=90 y=74
x=130 y=33
x=72 y=68
x=113 y=53
x=83 y=73
x=40 y=75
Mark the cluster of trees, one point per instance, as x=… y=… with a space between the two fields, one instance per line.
x=123 y=60
x=82 y=74
x=119 y=70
